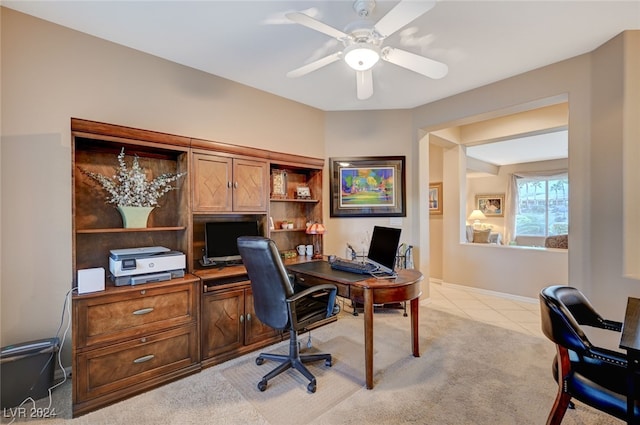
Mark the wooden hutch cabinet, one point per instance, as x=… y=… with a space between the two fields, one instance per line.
x=228 y=184
x=129 y=339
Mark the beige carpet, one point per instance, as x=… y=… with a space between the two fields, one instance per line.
x=335 y=383
x=468 y=373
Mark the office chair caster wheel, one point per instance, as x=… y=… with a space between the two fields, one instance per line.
x=259 y=361
x=312 y=386
x=262 y=385
x=327 y=362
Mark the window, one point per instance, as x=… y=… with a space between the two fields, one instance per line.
x=543 y=205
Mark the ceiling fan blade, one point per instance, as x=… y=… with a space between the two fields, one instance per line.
x=403 y=13
x=364 y=84
x=314 y=24
x=420 y=64
x=310 y=67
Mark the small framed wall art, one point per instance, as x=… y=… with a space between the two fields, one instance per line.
x=491 y=205
x=435 y=198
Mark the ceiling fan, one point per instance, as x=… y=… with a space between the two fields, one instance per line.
x=363 y=43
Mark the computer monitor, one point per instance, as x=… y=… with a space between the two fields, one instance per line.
x=221 y=240
x=383 y=247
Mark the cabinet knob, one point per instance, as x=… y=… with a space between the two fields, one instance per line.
x=241 y=318
x=143 y=359
x=143 y=311
x=235 y=185
x=229 y=185
x=248 y=316
x=144 y=291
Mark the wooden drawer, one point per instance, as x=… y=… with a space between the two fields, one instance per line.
x=125 y=366
x=129 y=314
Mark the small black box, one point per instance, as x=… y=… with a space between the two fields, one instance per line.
x=27 y=370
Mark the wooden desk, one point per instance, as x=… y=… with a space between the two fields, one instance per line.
x=630 y=341
x=368 y=291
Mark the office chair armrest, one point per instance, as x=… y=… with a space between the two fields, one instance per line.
x=608 y=356
x=332 y=289
x=611 y=325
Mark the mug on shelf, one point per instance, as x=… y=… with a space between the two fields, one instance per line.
x=301 y=249
x=309 y=250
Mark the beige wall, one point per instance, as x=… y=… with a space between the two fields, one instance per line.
x=50 y=74
x=615 y=93
x=436 y=220
x=598 y=93
x=369 y=133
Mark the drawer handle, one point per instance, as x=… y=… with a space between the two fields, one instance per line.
x=144 y=359
x=143 y=311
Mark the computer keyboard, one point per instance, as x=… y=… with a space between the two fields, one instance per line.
x=352 y=266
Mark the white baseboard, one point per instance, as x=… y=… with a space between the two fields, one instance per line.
x=485 y=291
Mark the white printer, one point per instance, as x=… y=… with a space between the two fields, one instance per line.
x=131 y=266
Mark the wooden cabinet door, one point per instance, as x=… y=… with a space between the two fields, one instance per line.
x=250 y=185
x=222 y=322
x=255 y=330
x=212 y=183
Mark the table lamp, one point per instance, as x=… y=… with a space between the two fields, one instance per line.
x=476 y=216
x=317 y=230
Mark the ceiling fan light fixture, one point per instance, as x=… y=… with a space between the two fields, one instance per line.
x=361 y=56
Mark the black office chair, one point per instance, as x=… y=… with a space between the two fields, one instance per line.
x=279 y=304
x=593 y=375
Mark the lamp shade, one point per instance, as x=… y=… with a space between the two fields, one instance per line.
x=361 y=56
x=316 y=229
x=476 y=215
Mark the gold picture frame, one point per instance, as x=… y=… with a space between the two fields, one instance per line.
x=435 y=198
x=491 y=205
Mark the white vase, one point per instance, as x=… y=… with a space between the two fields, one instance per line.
x=134 y=217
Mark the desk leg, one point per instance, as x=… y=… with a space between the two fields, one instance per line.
x=415 y=346
x=368 y=337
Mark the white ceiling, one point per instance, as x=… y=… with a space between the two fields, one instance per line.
x=540 y=147
x=251 y=42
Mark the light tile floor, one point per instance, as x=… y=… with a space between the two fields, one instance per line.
x=522 y=315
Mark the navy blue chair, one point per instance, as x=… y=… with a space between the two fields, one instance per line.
x=593 y=375
x=280 y=304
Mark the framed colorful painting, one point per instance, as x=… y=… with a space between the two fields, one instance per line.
x=368 y=186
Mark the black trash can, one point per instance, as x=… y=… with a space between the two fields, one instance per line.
x=26 y=370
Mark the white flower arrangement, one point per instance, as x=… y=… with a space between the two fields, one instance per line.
x=130 y=188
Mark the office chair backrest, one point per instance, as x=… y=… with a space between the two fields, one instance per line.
x=269 y=279
x=563 y=309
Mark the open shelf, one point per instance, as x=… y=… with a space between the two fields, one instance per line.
x=123 y=230
x=312 y=201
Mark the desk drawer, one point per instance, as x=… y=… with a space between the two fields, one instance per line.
x=105 y=370
x=308 y=280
